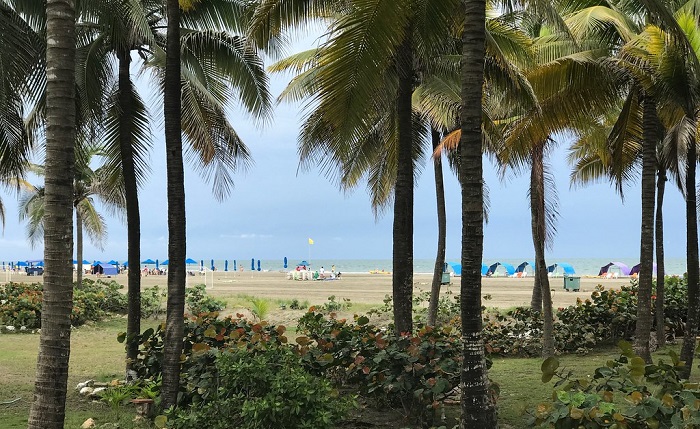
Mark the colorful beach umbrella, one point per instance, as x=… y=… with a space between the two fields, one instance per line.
x=226 y=265
x=285 y=262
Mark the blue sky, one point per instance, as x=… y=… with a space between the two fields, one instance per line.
x=274 y=209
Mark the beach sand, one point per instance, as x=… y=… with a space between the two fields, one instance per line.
x=369 y=288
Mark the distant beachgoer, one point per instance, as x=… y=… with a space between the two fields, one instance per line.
x=333 y=269
x=322 y=271
x=337 y=276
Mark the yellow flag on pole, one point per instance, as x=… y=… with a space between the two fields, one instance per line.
x=311 y=241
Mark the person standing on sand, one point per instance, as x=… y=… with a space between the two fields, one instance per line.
x=322 y=271
x=333 y=269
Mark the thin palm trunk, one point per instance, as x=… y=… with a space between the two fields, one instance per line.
x=442 y=234
x=536 y=299
x=402 y=281
x=538 y=223
x=691 y=215
x=174 y=326
x=478 y=409
x=79 y=245
x=48 y=408
x=660 y=268
x=646 y=254
x=133 y=217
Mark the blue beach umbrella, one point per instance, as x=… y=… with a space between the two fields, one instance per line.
x=190 y=261
x=252 y=264
x=258 y=264
x=212 y=265
x=74 y=262
x=96 y=263
x=148 y=262
x=234 y=265
x=226 y=265
x=157 y=264
x=86 y=262
x=113 y=262
x=166 y=262
x=22 y=264
x=285 y=262
x=201 y=264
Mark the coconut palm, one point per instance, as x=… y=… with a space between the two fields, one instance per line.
x=88 y=185
x=48 y=408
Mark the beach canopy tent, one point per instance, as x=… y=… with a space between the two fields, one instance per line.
x=96 y=263
x=624 y=269
x=457 y=268
x=35 y=263
x=567 y=268
x=106 y=269
x=113 y=262
x=510 y=270
x=635 y=270
x=22 y=264
x=303 y=264
x=522 y=266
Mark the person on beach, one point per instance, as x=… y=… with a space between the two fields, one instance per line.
x=333 y=269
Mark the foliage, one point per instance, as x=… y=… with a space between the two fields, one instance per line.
x=197 y=301
x=203 y=333
x=447 y=309
x=332 y=305
x=152 y=302
x=414 y=372
x=623 y=393
x=264 y=388
x=260 y=308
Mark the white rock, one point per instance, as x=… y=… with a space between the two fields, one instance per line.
x=89 y=423
x=86 y=390
x=84 y=384
x=22 y=328
x=97 y=390
x=10 y=328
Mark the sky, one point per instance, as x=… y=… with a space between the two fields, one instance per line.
x=275 y=208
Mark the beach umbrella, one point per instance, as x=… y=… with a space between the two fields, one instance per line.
x=148 y=262
x=126 y=263
x=75 y=261
x=234 y=265
x=113 y=262
x=157 y=264
x=258 y=264
x=212 y=265
x=166 y=262
x=201 y=264
x=285 y=262
x=40 y=264
x=190 y=261
x=226 y=265
x=96 y=263
x=22 y=264
x=86 y=262
x=252 y=264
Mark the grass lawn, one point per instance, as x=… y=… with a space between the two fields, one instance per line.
x=95 y=354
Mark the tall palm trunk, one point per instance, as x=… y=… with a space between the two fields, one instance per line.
x=175 y=322
x=691 y=216
x=660 y=267
x=538 y=223
x=402 y=281
x=646 y=253
x=48 y=407
x=478 y=410
x=536 y=298
x=79 y=245
x=442 y=233
x=133 y=217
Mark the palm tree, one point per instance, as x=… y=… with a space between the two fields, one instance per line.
x=48 y=409
x=88 y=183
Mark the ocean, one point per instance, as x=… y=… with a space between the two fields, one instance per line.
x=582 y=266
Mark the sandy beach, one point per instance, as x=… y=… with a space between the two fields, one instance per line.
x=365 y=288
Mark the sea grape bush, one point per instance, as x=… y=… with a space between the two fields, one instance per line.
x=625 y=393
x=414 y=372
x=197 y=301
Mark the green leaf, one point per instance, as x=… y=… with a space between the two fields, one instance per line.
x=362 y=320
x=550 y=365
x=160 y=421
x=121 y=337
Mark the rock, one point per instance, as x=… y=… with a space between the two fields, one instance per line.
x=97 y=390
x=10 y=328
x=86 y=390
x=84 y=384
x=89 y=423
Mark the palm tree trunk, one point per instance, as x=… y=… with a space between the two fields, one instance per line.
x=175 y=322
x=402 y=281
x=48 y=408
x=536 y=299
x=691 y=215
x=538 y=223
x=79 y=245
x=478 y=409
x=646 y=253
x=660 y=268
x=442 y=234
x=133 y=217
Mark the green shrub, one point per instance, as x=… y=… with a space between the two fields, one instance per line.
x=625 y=393
x=197 y=301
x=152 y=302
x=264 y=388
x=260 y=307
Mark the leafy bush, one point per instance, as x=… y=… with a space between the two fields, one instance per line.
x=625 y=393
x=332 y=305
x=152 y=302
x=264 y=388
x=197 y=301
x=260 y=308
x=412 y=372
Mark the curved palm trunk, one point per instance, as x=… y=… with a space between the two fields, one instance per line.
x=538 y=223
x=536 y=299
x=79 y=245
x=478 y=410
x=133 y=217
x=402 y=281
x=660 y=268
x=442 y=234
x=691 y=215
x=174 y=326
x=646 y=254
x=48 y=407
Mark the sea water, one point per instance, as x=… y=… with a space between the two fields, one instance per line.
x=582 y=266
